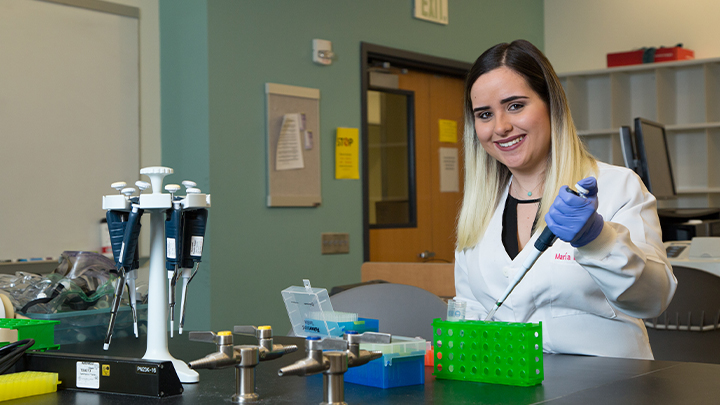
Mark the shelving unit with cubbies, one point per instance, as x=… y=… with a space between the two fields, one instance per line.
x=684 y=96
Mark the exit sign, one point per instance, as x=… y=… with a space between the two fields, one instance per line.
x=432 y=10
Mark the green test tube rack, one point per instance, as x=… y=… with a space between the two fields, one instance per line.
x=42 y=331
x=492 y=352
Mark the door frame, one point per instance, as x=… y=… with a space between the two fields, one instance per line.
x=398 y=58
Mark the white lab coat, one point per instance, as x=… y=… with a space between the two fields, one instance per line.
x=588 y=299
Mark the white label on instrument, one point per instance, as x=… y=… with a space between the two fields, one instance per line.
x=87 y=375
x=196 y=246
x=171 y=248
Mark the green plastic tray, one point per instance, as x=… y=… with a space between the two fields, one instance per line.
x=42 y=331
x=491 y=352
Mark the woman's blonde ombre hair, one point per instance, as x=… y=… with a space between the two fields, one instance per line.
x=485 y=177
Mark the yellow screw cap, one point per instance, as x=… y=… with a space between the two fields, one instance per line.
x=266 y=327
x=224 y=333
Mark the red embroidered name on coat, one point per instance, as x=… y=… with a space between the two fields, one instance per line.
x=563 y=256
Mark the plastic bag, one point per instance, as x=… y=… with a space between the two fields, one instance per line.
x=82 y=280
x=21 y=287
x=88 y=270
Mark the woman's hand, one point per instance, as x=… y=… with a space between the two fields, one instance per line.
x=575 y=219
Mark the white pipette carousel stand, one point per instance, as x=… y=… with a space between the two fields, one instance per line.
x=156 y=204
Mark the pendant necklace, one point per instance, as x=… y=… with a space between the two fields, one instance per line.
x=529 y=193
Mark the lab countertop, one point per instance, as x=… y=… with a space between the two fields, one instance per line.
x=568 y=380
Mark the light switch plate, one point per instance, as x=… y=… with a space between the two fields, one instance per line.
x=334 y=243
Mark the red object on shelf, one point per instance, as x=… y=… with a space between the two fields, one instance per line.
x=661 y=55
x=674 y=53
x=625 y=58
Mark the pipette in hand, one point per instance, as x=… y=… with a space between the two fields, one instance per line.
x=543 y=242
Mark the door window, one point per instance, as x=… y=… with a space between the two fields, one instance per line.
x=391 y=159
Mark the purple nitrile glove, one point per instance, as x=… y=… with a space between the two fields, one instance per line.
x=575 y=219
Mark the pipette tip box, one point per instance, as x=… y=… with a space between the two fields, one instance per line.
x=389 y=371
x=402 y=364
x=300 y=302
x=491 y=352
x=311 y=314
x=361 y=325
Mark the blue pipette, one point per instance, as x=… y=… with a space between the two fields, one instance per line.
x=116 y=221
x=543 y=242
x=124 y=259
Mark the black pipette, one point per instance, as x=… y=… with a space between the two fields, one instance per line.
x=174 y=253
x=117 y=222
x=195 y=222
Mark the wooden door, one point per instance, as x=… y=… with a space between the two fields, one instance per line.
x=436 y=98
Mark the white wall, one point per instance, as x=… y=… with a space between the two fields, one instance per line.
x=149 y=94
x=150 y=148
x=579 y=33
x=150 y=137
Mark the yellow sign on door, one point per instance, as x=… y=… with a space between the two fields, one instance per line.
x=448 y=131
x=347 y=153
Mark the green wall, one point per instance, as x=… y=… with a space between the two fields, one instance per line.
x=258 y=251
x=185 y=133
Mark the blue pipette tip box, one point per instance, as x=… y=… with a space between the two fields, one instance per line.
x=402 y=364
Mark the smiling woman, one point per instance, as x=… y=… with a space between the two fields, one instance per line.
x=512 y=124
x=521 y=151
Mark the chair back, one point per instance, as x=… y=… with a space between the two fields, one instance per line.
x=689 y=329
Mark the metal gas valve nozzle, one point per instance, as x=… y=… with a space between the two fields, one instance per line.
x=315 y=362
x=243 y=357
x=225 y=355
x=333 y=363
x=359 y=357
x=264 y=335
